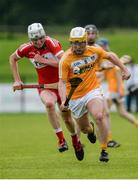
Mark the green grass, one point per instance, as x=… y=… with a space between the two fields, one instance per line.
x=28 y=150
x=121 y=41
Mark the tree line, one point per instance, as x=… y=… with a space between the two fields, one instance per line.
x=103 y=13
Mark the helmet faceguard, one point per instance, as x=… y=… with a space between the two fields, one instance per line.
x=92 y=33
x=78 y=38
x=35 y=31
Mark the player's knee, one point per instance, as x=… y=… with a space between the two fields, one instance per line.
x=84 y=130
x=50 y=105
x=98 y=117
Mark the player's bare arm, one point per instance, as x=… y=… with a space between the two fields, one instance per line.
x=62 y=89
x=115 y=60
x=49 y=62
x=14 y=68
x=106 y=65
x=62 y=93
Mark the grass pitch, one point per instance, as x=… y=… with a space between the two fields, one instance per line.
x=28 y=150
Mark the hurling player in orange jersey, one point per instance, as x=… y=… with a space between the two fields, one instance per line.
x=116 y=86
x=81 y=61
x=44 y=53
x=92 y=35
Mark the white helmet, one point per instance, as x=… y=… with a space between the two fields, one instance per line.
x=78 y=34
x=35 y=30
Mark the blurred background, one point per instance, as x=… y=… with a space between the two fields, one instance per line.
x=105 y=14
x=116 y=20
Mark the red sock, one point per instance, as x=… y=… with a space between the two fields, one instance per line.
x=60 y=136
x=75 y=139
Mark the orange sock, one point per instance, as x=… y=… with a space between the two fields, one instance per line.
x=109 y=136
x=103 y=146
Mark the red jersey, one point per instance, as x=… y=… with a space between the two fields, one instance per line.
x=52 y=48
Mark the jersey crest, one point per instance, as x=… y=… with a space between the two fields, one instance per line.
x=84 y=64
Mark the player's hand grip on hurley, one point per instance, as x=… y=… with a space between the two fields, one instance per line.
x=17 y=85
x=74 y=84
x=126 y=74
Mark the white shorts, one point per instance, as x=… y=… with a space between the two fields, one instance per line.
x=78 y=106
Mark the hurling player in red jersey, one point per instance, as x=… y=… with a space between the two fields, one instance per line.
x=44 y=53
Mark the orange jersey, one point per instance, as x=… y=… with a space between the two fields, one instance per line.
x=111 y=75
x=86 y=65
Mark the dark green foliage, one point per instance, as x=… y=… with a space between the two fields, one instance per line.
x=103 y=13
